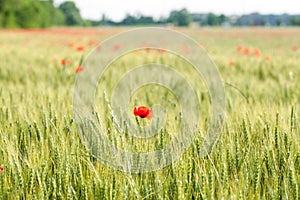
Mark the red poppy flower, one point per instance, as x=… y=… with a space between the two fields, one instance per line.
x=257 y=52
x=65 y=61
x=142 y=112
x=79 y=69
x=1 y=169
x=268 y=58
x=231 y=63
x=239 y=48
x=294 y=48
x=80 y=48
x=246 y=51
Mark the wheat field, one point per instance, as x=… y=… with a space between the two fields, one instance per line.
x=257 y=155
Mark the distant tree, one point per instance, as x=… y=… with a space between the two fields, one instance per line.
x=33 y=15
x=58 y=17
x=72 y=14
x=278 y=22
x=8 y=9
x=212 y=20
x=221 y=19
x=295 y=21
x=145 y=20
x=9 y=19
x=104 y=19
x=29 y=14
x=180 y=18
x=129 y=20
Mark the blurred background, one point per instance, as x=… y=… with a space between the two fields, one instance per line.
x=49 y=13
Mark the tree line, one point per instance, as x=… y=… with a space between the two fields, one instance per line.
x=184 y=18
x=38 y=14
x=43 y=13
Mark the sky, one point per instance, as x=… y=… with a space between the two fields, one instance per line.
x=117 y=9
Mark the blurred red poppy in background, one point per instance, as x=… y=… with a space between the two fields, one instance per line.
x=246 y=51
x=231 y=63
x=239 y=48
x=294 y=48
x=79 y=69
x=257 y=52
x=65 y=61
x=80 y=48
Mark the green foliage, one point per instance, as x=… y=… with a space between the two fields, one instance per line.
x=7 y=11
x=132 y=20
x=29 y=14
x=56 y=16
x=129 y=20
x=180 y=18
x=295 y=21
x=32 y=15
x=214 y=20
x=71 y=13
